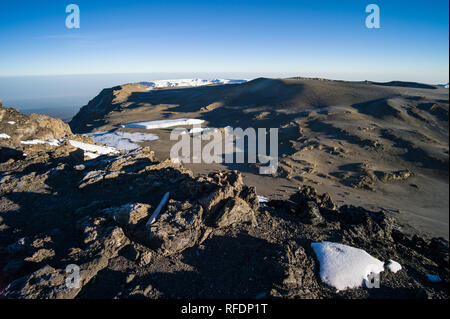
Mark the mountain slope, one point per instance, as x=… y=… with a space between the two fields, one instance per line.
x=378 y=145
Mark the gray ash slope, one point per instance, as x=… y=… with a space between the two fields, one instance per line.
x=213 y=239
x=375 y=145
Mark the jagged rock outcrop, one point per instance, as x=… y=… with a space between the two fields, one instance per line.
x=39 y=137
x=27 y=127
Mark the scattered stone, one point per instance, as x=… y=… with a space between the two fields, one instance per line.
x=235 y=211
x=45 y=283
x=41 y=255
x=79 y=167
x=311 y=213
x=129 y=214
x=41 y=242
x=178 y=228
x=130 y=278
x=395 y=176
x=146 y=257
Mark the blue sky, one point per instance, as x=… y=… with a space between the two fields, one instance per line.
x=311 y=38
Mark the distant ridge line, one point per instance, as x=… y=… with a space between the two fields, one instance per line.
x=416 y=85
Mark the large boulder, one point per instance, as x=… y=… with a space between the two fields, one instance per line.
x=235 y=211
x=130 y=214
x=178 y=228
x=27 y=127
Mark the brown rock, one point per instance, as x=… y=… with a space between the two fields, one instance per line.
x=46 y=282
x=41 y=255
x=146 y=257
x=178 y=228
x=311 y=213
x=235 y=211
x=130 y=214
x=33 y=126
x=308 y=193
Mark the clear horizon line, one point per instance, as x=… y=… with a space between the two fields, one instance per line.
x=289 y=75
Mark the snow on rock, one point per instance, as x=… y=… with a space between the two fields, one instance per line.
x=11 y=122
x=91 y=155
x=394 y=266
x=92 y=150
x=36 y=142
x=122 y=140
x=263 y=199
x=343 y=266
x=33 y=142
x=5 y=136
x=189 y=82
x=433 y=278
x=163 y=123
x=199 y=130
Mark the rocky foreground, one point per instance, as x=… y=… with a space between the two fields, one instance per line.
x=212 y=239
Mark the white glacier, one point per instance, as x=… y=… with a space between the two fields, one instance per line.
x=189 y=82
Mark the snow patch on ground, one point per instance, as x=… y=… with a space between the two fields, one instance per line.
x=262 y=199
x=122 y=140
x=343 y=266
x=394 y=266
x=149 y=125
x=199 y=130
x=36 y=142
x=90 y=150
x=11 y=122
x=5 y=136
x=189 y=82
